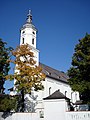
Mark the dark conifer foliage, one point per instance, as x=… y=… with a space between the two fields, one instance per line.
x=4 y=63
x=79 y=73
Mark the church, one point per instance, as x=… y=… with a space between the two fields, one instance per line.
x=56 y=82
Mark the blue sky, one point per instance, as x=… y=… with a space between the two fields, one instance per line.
x=60 y=24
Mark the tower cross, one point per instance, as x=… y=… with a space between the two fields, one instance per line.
x=29 y=12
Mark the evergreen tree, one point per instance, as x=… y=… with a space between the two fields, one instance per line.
x=27 y=74
x=4 y=64
x=8 y=103
x=79 y=73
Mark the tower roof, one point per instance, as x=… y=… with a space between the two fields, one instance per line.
x=29 y=17
x=28 y=23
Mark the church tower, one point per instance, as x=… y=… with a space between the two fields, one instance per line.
x=28 y=34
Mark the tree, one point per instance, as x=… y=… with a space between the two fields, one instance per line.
x=8 y=103
x=4 y=65
x=27 y=74
x=79 y=73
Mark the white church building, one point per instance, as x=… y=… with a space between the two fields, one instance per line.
x=56 y=85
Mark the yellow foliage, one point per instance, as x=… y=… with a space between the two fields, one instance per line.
x=29 y=75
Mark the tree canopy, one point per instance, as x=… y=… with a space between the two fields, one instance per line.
x=27 y=74
x=79 y=73
x=4 y=64
x=8 y=103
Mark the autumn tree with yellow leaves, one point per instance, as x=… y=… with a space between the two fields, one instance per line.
x=27 y=74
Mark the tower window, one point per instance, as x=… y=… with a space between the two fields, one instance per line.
x=23 y=32
x=22 y=40
x=33 y=32
x=33 y=41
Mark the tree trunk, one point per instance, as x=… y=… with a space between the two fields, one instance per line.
x=22 y=93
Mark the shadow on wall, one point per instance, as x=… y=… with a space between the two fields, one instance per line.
x=4 y=115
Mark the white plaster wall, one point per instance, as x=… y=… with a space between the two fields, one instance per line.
x=79 y=115
x=28 y=36
x=55 y=85
x=36 y=55
x=21 y=116
x=54 y=109
x=75 y=96
x=25 y=116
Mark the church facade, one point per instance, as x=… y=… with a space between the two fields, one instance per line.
x=55 y=81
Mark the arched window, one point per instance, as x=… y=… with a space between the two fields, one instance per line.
x=65 y=93
x=33 y=41
x=22 y=40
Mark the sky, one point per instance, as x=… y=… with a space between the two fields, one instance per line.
x=60 y=24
